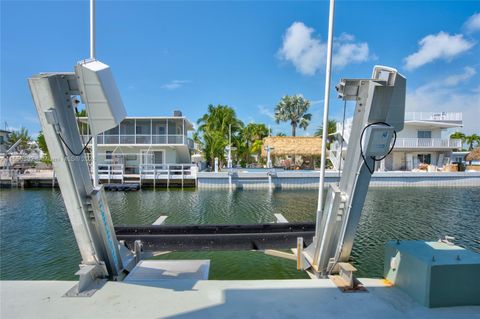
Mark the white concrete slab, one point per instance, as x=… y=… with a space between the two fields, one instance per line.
x=217 y=299
x=154 y=270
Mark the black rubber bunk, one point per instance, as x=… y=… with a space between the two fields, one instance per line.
x=216 y=237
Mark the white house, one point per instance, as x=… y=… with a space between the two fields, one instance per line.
x=424 y=139
x=142 y=144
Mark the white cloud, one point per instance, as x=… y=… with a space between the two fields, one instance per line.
x=437 y=46
x=175 y=84
x=455 y=79
x=346 y=53
x=308 y=54
x=302 y=49
x=473 y=23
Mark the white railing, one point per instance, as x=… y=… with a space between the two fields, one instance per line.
x=433 y=116
x=168 y=171
x=427 y=143
x=138 y=139
x=110 y=171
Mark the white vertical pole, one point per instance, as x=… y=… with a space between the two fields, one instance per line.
x=92 y=29
x=94 y=161
x=269 y=159
x=229 y=160
x=325 y=113
x=92 y=56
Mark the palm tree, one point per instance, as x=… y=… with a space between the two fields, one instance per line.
x=471 y=140
x=214 y=128
x=332 y=127
x=293 y=109
x=252 y=137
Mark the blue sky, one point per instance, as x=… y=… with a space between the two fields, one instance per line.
x=186 y=55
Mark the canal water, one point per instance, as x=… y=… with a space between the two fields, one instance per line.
x=37 y=242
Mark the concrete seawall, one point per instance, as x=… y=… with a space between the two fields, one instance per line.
x=310 y=179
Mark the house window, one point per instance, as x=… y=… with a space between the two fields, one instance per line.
x=424 y=158
x=424 y=134
x=108 y=155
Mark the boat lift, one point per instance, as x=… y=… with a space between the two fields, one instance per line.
x=323 y=248
x=111 y=253
x=378 y=115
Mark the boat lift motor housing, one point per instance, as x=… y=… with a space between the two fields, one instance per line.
x=100 y=95
x=377 y=140
x=379 y=114
x=54 y=94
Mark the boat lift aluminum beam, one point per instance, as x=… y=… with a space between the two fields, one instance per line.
x=215 y=237
x=379 y=112
x=102 y=256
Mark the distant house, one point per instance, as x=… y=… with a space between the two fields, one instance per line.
x=141 y=142
x=425 y=139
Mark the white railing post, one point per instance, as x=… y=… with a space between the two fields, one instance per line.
x=135 y=131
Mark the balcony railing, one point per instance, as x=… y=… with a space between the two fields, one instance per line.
x=434 y=116
x=139 y=139
x=428 y=143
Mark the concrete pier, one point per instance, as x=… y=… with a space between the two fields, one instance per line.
x=218 y=299
x=309 y=179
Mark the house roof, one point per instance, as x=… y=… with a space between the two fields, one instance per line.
x=474 y=155
x=433 y=124
x=293 y=145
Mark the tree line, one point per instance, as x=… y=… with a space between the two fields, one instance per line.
x=220 y=126
x=217 y=128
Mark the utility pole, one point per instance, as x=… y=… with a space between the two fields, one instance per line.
x=92 y=57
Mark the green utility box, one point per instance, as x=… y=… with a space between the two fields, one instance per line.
x=436 y=274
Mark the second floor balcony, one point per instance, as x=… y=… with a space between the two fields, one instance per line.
x=140 y=139
x=144 y=131
x=427 y=143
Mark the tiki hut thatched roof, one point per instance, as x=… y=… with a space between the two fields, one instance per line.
x=474 y=155
x=293 y=145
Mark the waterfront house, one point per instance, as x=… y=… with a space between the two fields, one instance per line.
x=425 y=139
x=141 y=146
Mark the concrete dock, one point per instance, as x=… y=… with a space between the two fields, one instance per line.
x=217 y=299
